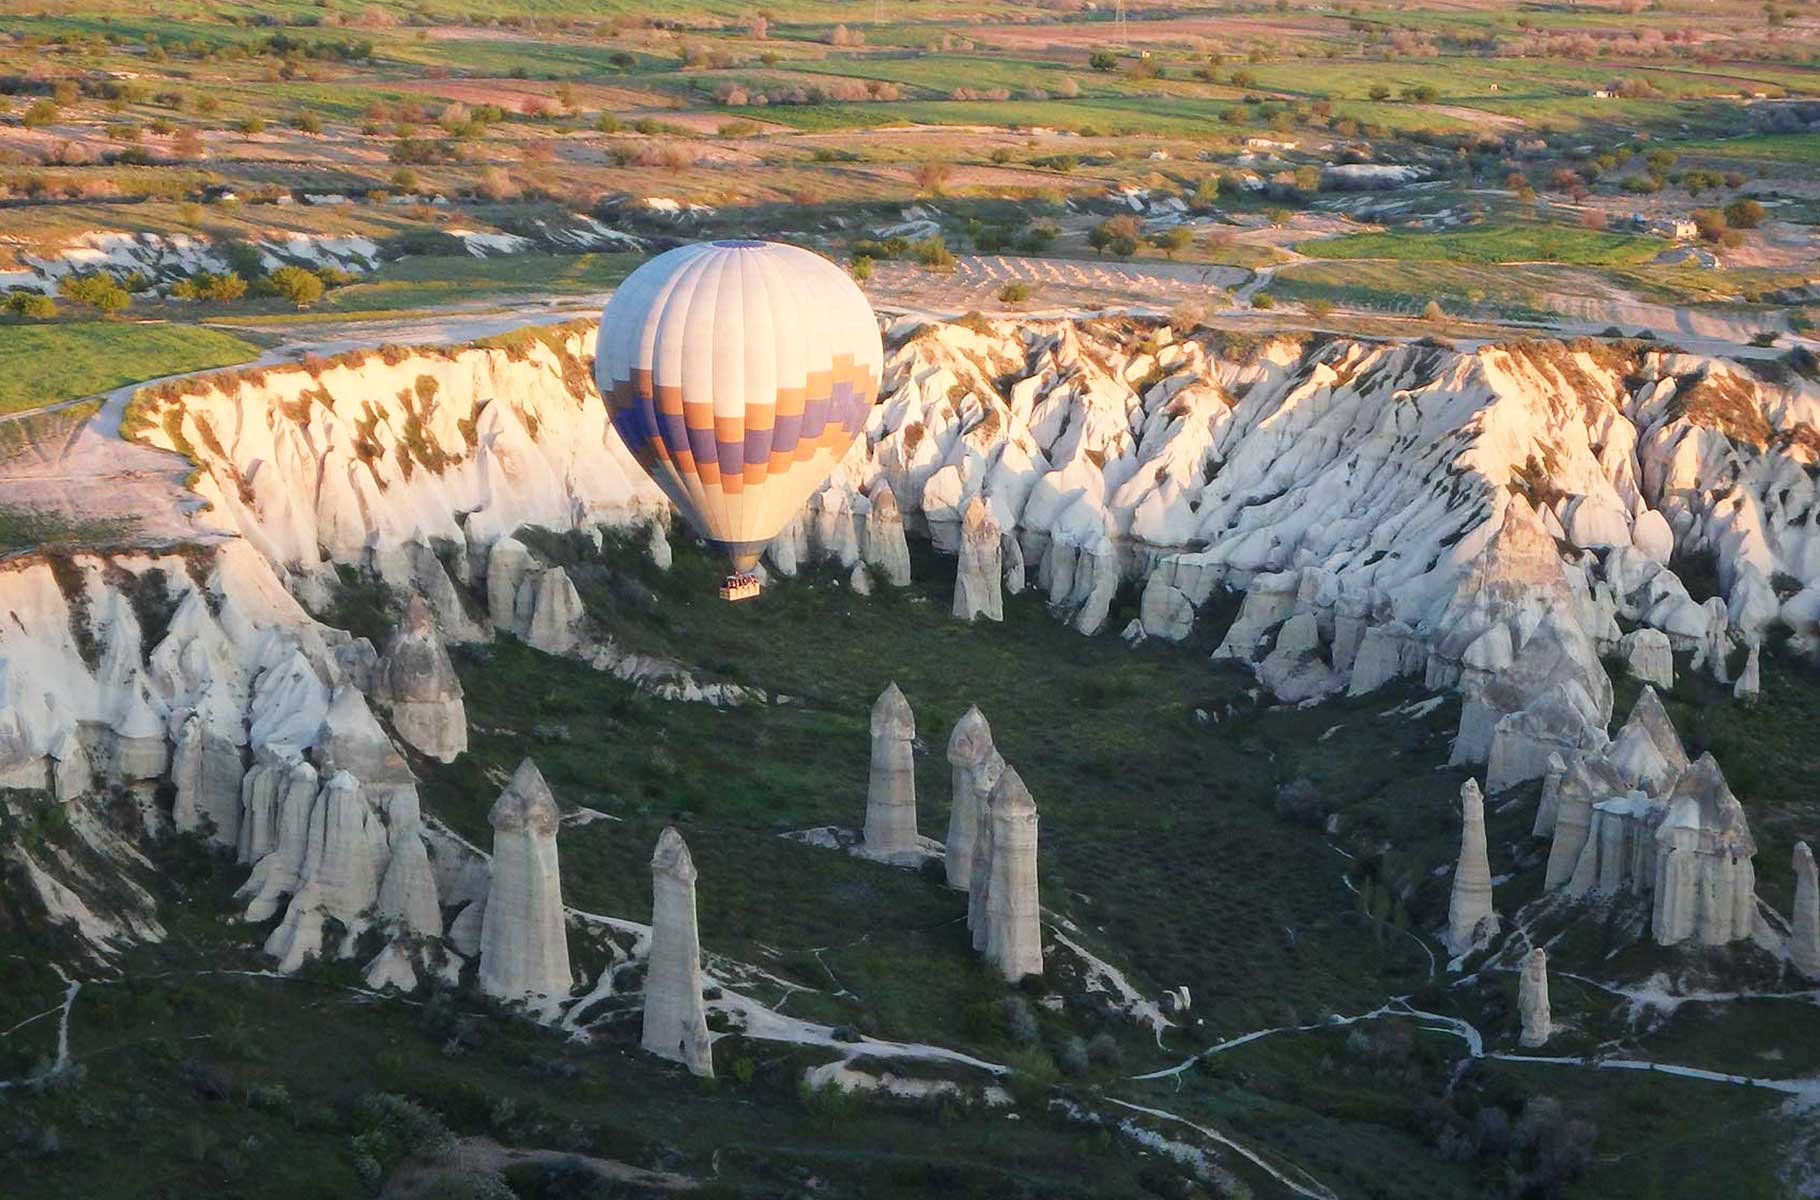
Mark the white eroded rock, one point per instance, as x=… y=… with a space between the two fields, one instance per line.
x=975 y=766
x=887 y=552
x=891 y=789
x=1469 y=913
x=675 y=1020
x=976 y=582
x=416 y=682
x=1648 y=656
x=1705 y=883
x=1804 y=940
x=1532 y=999
x=524 y=945
x=1013 y=924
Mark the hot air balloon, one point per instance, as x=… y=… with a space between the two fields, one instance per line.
x=738 y=373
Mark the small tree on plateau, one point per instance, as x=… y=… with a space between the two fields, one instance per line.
x=1103 y=60
x=302 y=288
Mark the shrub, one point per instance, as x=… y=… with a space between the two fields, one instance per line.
x=206 y=285
x=862 y=268
x=1014 y=293
x=302 y=288
x=1264 y=300
x=931 y=177
x=1103 y=60
x=39 y=114
x=31 y=305
x=1434 y=312
x=1301 y=801
x=99 y=291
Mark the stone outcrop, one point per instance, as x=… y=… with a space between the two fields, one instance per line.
x=887 y=551
x=344 y=857
x=416 y=683
x=509 y=561
x=976 y=582
x=975 y=765
x=524 y=946
x=1013 y=914
x=1804 y=940
x=1165 y=611
x=675 y=1021
x=891 y=788
x=206 y=774
x=1749 y=684
x=1470 y=918
x=1532 y=999
x=550 y=611
x=1705 y=883
x=1649 y=656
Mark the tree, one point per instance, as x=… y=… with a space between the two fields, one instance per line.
x=1744 y=213
x=1378 y=91
x=1103 y=60
x=1118 y=234
x=1177 y=239
x=1434 y=313
x=1710 y=222
x=302 y=288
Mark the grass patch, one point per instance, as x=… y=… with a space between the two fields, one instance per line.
x=1492 y=244
x=47 y=364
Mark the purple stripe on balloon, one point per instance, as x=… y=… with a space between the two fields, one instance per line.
x=789 y=431
x=673 y=431
x=732 y=456
x=815 y=416
x=701 y=442
x=758 y=446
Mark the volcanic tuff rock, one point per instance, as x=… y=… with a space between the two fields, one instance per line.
x=1384 y=468
x=1532 y=999
x=1705 y=883
x=887 y=552
x=1013 y=914
x=1470 y=918
x=975 y=765
x=1804 y=941
x=1649 y=656
x=976 y=581
x=891 y=790
x=549 y=611
x=524 y=946
x=675 y=1020
x=416 y=682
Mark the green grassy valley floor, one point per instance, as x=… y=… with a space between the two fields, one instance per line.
x=1156 y=776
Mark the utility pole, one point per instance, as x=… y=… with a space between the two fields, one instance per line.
x=1119 y=35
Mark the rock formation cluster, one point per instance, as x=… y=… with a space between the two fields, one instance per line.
x=1634 y=816
x=675 y=1020
x=524 y=945
x=891 y=788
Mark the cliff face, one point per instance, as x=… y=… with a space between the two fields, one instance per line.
x=1358 y=492
x=360 y=459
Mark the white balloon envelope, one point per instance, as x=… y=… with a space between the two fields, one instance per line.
x=738 y=373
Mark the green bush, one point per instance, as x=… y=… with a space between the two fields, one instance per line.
x=32 y=305
x=99 y=291
x=302 y=288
